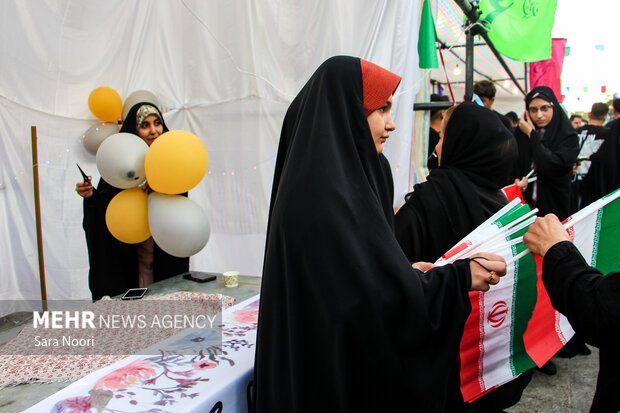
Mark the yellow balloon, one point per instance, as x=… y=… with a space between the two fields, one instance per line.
x=127 y=216
x=105 y=104
x=175 y=162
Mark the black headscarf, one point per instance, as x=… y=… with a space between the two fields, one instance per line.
x=552 y=153
x=345 y=323
x=604 y=174
x=476 y=158
x=114 y=264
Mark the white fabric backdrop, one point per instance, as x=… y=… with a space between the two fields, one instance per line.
x=225 y=71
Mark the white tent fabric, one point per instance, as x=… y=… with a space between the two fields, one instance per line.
x=225 y=71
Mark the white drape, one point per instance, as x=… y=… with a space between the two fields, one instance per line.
x=224 y=70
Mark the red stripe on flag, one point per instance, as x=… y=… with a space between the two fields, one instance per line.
x=472 y=349
x=512 y=192
x=541 y=338
x=456 y=250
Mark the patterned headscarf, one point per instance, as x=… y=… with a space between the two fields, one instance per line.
x=144 y=112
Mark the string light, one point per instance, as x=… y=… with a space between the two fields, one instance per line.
x=457 y=70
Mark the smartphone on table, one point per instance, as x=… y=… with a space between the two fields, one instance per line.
x=134 y=293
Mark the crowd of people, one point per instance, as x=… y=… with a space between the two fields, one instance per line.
x=353 y=315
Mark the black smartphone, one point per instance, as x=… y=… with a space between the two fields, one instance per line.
x=134 y=293
x=200 y=277
x=84 y=176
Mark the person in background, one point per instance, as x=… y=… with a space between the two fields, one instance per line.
x=115 y=266
x=590 y=301
x=433 y=132
x=548 y=143
x=591 y=137
x=604 y=173
x=486 y=91
x=346 y=324
x=576 y=120
x=514 y=120
x=616 y=111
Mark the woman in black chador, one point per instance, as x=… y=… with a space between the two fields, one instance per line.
x=115 y=266
x=476 y=155
x=346 y=324
x=549 y=144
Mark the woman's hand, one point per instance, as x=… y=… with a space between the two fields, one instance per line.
x=423 y=265
x=146 y=188
x=486 y=268
x=525 y=124
x=84 y=189
x=522 y=183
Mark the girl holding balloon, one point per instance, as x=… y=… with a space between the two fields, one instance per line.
x=116 y=266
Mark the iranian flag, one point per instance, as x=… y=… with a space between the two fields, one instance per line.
x=513 y=327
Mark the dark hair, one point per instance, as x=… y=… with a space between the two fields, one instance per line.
x=485 y=88
x=575 y=115
x=599 y=111
x=512 y=116
x=437 y=98
x=616 y=104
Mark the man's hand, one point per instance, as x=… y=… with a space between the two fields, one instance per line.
x=544 y=233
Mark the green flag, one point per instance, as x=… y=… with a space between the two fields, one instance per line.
x=427 y=40
x=520 y=29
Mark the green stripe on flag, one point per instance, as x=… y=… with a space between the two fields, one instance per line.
x=514 y=213
x=606 y=257
x=525 y=295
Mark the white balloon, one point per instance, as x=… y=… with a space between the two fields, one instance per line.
x=178 y=225
x=120 y=160
x=96 y=134
x=137 y=97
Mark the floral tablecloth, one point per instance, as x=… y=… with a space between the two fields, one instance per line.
x=192 y=372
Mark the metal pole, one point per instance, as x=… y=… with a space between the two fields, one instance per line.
x=473 y=14
x=469 y=65
x=527 y=87
x=37 y=212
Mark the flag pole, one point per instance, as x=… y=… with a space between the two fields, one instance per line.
x=37 y=212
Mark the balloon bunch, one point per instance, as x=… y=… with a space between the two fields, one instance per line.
x=174 y=163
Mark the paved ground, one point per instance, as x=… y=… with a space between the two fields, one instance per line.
x=569 y=391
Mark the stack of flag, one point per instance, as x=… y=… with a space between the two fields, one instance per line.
x=513 y=327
